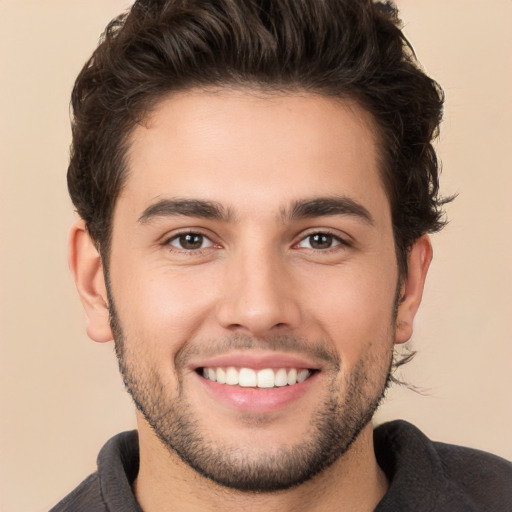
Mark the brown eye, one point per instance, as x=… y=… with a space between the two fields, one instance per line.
x=190 y=241
x=319 y=241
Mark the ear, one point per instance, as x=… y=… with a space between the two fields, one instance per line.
x=418 y=261
x=87 y=270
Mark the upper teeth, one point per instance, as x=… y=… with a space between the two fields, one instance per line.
x=265 y=378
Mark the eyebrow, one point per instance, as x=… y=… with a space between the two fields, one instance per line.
x=327 y=206
x=301 y=209
x=186 y=208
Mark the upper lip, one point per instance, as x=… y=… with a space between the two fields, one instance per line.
x=257 y=361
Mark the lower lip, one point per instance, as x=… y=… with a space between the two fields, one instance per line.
x=257 y=399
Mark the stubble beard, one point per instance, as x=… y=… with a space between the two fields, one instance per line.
x=335 y=424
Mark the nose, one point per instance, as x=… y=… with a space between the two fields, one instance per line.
x=258 y=296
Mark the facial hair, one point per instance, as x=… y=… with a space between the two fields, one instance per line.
x=338 y=418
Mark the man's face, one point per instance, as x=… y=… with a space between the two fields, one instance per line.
x=253 y=243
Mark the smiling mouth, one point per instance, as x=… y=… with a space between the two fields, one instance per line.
x=249 y=378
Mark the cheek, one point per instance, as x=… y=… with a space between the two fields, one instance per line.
x=354 y=311
x=162 y=307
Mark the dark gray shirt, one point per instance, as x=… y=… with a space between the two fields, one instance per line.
x=424 y=476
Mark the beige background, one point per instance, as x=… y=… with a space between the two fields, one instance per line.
x=61 y=397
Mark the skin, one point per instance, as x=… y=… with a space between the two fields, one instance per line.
x=257 y=276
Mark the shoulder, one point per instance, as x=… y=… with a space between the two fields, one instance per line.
x=477 y=473
x=438 y=476
x=85 y=498
x=109 y=489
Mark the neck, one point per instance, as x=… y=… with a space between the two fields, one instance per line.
x=354 y=482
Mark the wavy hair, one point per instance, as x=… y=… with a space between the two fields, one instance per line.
x=338 y=48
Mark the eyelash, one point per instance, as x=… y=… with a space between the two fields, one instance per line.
x=336 y=238
x=177 y=236
x=325 y=232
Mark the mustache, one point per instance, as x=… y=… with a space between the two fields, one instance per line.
x=241 y=342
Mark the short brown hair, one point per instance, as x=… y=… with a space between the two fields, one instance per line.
x=340 y=48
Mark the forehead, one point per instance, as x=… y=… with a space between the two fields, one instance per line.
x=253 y=151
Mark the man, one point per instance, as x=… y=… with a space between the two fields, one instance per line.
x=256 y=182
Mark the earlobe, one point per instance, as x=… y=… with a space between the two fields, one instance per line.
x=87 y=270
x=418 y=262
